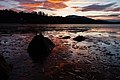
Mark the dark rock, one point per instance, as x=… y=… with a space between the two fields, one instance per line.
x=79 y=38
x=66 y=37
x=5 y=69
x=40 y=47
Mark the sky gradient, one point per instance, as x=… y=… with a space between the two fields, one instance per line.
x=96 y=9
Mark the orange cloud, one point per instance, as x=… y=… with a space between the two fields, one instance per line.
x=57 y=1
x=32 y=4
x=29 y=7
x=54 y=5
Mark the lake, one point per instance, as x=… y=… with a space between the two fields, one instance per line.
x=14 y=28
x=95 y=58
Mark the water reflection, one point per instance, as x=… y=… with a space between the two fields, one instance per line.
x=95 y=57
x=28 y=28
x=105 y=30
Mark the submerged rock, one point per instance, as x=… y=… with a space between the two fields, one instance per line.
x=79 y=38
x=40 y=47
x=5 y=69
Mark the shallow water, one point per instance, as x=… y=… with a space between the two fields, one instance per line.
x=95 y=58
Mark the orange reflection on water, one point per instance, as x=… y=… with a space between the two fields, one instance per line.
x=59 y=46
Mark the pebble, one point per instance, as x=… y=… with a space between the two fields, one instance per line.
x=80 y=78
x=71 y=73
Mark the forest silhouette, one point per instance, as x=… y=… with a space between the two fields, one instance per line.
x=9 y=16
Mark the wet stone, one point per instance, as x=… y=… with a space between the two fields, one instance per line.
x=66 y=37
x=79 y=38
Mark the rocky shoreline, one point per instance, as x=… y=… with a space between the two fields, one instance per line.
x=95 y=58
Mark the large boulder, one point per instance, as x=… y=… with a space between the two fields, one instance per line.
x=5 y=69
x=40 y=47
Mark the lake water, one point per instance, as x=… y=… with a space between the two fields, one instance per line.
x=95 y=58
x=26 y=28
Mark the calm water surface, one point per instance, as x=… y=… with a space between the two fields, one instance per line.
x=25 y=28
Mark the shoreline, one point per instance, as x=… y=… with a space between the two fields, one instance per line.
x=89 y=59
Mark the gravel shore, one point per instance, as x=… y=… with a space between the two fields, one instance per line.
x=95 y=58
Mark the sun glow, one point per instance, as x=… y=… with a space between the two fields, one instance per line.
x=67 y=7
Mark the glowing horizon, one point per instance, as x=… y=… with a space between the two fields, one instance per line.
x=96 y=9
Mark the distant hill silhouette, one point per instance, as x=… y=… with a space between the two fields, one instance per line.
x=83 y=19
x=75 y=16
x=9 y=16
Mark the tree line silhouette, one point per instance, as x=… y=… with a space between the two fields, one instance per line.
x=9 y=16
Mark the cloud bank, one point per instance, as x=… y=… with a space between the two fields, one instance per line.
x=65 y=7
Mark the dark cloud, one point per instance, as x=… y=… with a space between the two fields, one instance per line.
x=97 y=7
x=24 y=1
x=94 y=7
x=115 y=9
x=106 y=17
x=111 y=15
x=115 y=16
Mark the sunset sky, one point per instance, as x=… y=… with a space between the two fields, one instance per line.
x=96 y=9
